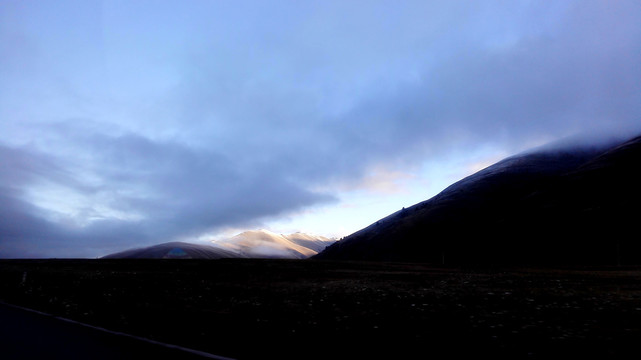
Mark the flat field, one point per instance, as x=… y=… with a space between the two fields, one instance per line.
x=310 y=309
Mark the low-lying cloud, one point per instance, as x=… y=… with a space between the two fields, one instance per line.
x=133 y=191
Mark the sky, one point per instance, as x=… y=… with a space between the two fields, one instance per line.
x=132 y=123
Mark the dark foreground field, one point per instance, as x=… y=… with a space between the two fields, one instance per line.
x=307 y=309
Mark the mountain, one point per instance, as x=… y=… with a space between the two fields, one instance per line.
x=174 y=250
x=568 y=205
x=313 y=242
x=266 y=244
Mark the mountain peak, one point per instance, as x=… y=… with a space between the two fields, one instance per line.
x=264 y=243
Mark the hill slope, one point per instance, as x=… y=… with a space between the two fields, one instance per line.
x=174 y=250
x=565 y=206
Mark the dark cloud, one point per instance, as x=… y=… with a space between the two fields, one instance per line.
x=577 y=73
x=582 y=76
x=146 y=192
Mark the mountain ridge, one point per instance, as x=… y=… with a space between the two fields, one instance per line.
x=248 y=244
x=567 y=205
x=266 y=244
x=173 y=250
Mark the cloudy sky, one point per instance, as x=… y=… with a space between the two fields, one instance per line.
x=129 y=123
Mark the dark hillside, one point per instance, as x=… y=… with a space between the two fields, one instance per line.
x=576 y=206
x=174 y=250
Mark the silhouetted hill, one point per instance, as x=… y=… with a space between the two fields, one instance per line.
x=174 y=250
x=574 y=205
x=248 y=244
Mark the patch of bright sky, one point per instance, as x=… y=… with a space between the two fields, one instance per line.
x=385 y=192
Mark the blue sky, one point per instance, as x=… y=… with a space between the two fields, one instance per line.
x=129 y=123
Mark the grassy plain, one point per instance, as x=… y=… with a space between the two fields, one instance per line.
x=312 y=309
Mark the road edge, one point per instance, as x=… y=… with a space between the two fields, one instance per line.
x=119 y=333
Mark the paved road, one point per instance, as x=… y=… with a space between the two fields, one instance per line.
x=30 y=335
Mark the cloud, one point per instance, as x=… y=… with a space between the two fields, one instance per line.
x=139 y=191
x=505 y=83
x=555 y=84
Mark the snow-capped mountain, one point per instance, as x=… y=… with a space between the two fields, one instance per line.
x=267 y=244
x=249 y=244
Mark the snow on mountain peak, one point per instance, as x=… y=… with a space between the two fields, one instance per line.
x=267 y=244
